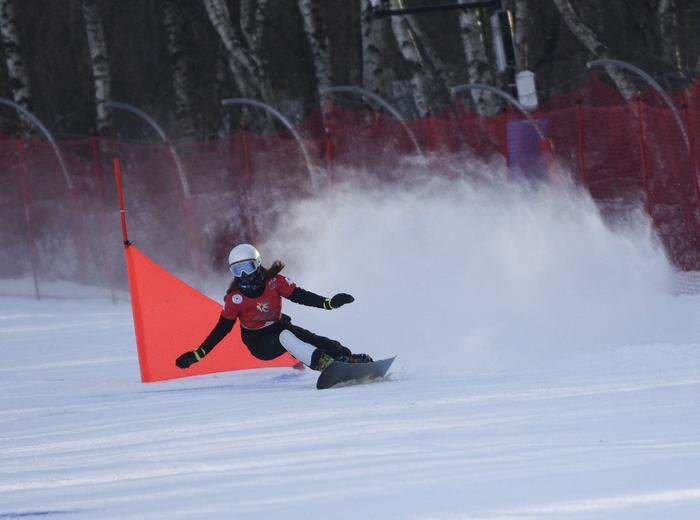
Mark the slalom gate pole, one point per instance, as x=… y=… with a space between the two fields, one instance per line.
x=120 y=194
x=134 y=293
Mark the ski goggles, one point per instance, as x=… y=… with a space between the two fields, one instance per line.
x=243 y=267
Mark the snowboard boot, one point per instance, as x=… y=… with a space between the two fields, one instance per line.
x=356 y=358
x=320 y=360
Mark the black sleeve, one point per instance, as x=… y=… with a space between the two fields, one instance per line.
x=220 y=330
x=304 y=297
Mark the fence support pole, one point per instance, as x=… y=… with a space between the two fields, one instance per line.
x=504 y=140
x=249 y=216
x=581 y=144
x=643 y=156
x=23 y=172
x=99 y=187
x=328 y=148
x=693 y=158
x=429 y=136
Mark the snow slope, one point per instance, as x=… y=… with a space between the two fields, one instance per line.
x=544 y=370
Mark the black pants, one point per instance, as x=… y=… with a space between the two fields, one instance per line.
x=265 y=343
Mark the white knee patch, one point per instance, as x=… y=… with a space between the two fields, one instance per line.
x=296 y=347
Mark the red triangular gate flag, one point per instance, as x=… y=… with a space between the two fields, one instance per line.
x=170 y=317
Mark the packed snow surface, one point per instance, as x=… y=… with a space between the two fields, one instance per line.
x=544 y=370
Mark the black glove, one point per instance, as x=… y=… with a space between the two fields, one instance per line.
x=190 y=358
x=338 y=301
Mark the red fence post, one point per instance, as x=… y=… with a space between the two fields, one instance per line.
x=23 y=173
x=429 y=132
x=188 y=220
x=581 y=143
x=504 y=143
x=546 y=147
x=248 y=165
x=246 y=160
x=693 y=159
x=82 y=246
x=328 y=148
x=643 y=156
x=97 y=171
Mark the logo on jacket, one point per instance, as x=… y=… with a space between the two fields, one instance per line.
x=263 y=307
x=237 y=298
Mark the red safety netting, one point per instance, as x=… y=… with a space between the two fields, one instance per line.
x=629 y=152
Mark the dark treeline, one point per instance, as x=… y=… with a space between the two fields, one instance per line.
x=65 y=60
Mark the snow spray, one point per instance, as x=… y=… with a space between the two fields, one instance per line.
x=467 y=270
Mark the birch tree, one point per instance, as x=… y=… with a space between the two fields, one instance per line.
x=374 y=74
x=253 y=21
x=16 y=67
x=246 y=67
x=479 y=69
x=440 y=70
x=316 y=34
x=593 y=42
x=521 y=33
x=237 y=59
x=173 y=25
x=100 y=65
x=668 y=25
x=420 y=79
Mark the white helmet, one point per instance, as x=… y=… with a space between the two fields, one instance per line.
x=243 y=259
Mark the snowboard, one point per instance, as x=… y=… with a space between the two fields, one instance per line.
x=339 y=372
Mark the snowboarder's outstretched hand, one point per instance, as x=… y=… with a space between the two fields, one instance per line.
x=190 y=357
x=340 y=299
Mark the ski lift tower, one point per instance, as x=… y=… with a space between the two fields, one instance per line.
x=501 y=28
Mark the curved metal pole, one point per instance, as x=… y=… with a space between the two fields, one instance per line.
x=161 y=133
x=287 y=125
x=480 y=86
x=654 y=85
x=47 y=134
x=380 y=101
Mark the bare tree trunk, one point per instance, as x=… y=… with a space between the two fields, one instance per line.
x=592 y=41
x=237 y=58
x=374 y=75
x=100 y=66
x=422 y=92
x=478 y=66
x=253 y=19
x=522 y=34
x=16 y=68
x=245 y=69
x=442 y=71
x=173 y=24
x=316 y=34
x=253 y=23
x=668 y=23
x=221 y=90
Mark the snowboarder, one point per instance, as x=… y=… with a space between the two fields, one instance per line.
x=255 y=297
